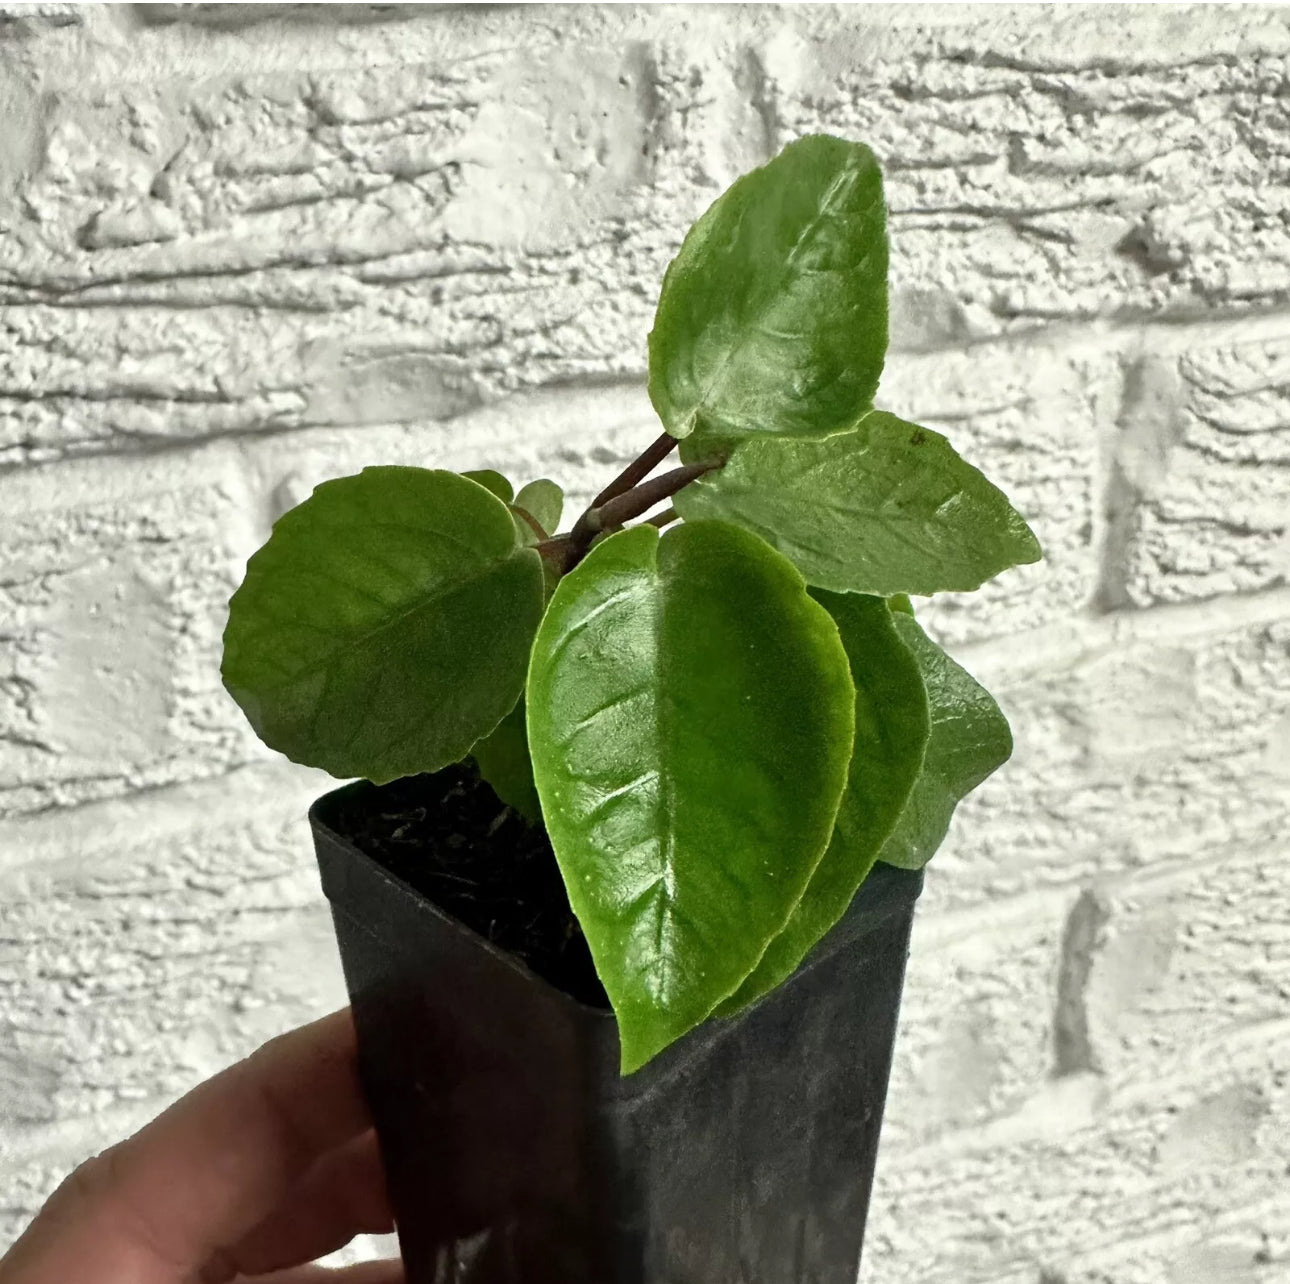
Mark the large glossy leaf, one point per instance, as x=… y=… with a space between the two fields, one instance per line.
x=773 y=316
x=385 y=626
x=892 y=727
x=503 y=761
x=690 y=717
x=883 y=507
x=969 y=739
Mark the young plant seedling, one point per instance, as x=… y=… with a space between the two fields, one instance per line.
x=723 y=725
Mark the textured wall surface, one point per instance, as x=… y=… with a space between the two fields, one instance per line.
x=243 y=250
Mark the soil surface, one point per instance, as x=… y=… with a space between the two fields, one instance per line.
x=449 y=836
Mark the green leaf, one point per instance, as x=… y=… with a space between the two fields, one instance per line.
x=385 y=626
x=969 y=739
x=493 y=482
x=543 y=500
x=503 y=761
x=891 y=737
x=690 y=716
x=550 y=579
x=773 y=316
x=884 y=507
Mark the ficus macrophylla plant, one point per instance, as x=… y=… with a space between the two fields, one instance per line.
x=723 y=714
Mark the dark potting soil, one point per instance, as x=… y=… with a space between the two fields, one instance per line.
x=449 y=836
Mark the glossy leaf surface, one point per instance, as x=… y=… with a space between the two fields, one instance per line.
x=884 y=507
x=969 y=739
x=891 y=737
x=690 y=717
x=773 y=316
x=385 y=627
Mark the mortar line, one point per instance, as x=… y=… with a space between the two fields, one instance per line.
x=1075 y=639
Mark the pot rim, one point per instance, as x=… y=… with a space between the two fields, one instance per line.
x=321 y=817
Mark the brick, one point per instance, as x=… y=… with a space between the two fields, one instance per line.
x=1205 y=457
x=977 y=1016
x=319 y=239
x=1133 y=745
x=1181 y=1175
x=579 y=437
x=1089 y=994
x=114 y=590
x=148 y=941
x=1031 y=417
x=385 y=245
x=1061 y=170
x=1200 y=947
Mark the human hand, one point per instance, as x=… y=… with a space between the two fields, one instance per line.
x=269 y=1165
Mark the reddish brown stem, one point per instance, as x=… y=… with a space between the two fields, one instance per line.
x=559 y=552
x=647 y=494
x=667 y=516
x=635 y=472
x=627 y=496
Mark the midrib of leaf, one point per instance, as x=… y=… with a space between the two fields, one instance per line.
x=599 y=609
x=718 y=376
x=666 y=803
x=353 y=643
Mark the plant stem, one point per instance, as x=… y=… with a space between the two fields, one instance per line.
x=559 y=551
x=627 y=496
x=640 y=468
x=667 y=516
x=632 y=504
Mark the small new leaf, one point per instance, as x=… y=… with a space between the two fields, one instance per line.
x=773 y=316
x=690 y=717
x=385 y=627
x=891 y=737
x=969 y=739
x=543 y=500
x=883 y=507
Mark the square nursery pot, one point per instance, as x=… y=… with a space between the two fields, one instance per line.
x=514 y=1150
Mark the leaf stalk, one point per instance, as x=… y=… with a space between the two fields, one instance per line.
x=635 y=502
x=636 y=472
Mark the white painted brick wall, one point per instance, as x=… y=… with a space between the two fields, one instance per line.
x=245 y=250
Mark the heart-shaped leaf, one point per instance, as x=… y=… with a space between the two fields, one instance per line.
x=773 y=316
x=969 y=739
x=892 y=727
x=690 y=717
x=385 y=626
x=883 y=507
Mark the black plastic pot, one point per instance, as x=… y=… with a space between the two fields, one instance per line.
x=517 y=1154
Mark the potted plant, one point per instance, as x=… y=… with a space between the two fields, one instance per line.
x=624 y=887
